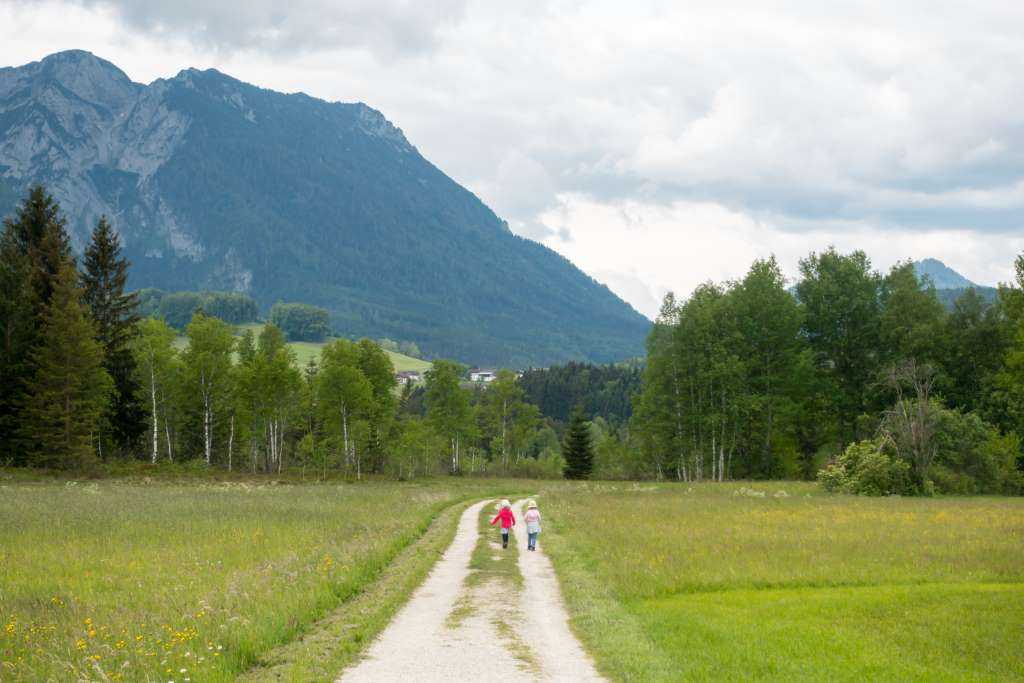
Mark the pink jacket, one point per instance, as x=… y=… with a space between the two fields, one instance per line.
x=506 y=517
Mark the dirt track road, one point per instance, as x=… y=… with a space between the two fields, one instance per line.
x=506 y=634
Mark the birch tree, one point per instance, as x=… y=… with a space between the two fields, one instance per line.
x=344 y=397
x=153 y=349
x=448 y=408
x=208 y=372
x=380 y=373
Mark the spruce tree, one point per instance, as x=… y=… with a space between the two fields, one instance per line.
x=578 y=450
x=33 y=248
x=69 y=388
x=38 y=232
x=104 y=276
x=17 y=333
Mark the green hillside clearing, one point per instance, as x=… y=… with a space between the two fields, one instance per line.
x=304 y=351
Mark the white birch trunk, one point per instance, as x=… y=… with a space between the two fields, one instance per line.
x=156 y=428
x=344 y=432
x=231 y=441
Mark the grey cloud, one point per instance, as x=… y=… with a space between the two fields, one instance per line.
x=894 y=114
x=387 y=28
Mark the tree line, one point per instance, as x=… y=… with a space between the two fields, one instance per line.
x=177 y=308
x=86 y=378
x=748 y=379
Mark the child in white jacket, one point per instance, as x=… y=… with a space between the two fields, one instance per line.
x=532 y=519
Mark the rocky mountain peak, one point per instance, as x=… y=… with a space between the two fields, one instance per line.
x=88 y=77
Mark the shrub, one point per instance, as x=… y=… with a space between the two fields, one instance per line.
x=865 y=469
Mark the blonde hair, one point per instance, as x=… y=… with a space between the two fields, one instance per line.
x=531 y=504
x=505 y=503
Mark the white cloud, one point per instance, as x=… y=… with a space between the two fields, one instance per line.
x=644 y=250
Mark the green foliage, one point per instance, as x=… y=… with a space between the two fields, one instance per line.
x=864 y=469
x=177 y=308
x=508 y=418
x=35 y=248
x=605 y=390
x=722 y=393
x=104 y=276
x=842 y=318
x=973 y=457
x=967 y=456
x=578 y=450
x=266 y=388
x=155 y=362
x=70 y=388
x=345 y=401
x=911 y=319
x=206 y=384
x=417 y=451
x=974 y=342
x=448 y=408
x=301 y=322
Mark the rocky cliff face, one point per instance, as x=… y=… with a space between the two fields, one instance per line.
x=78 y=124
x=217 y=184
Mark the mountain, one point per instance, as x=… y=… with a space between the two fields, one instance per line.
x=949 y=284
x=217 y=184
x=941 y=275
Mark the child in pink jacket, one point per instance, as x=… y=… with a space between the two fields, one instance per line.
x=508 y=520
x=532 y=519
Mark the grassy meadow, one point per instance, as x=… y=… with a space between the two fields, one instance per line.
x=197 y=579
x=305 y=351
x=135 y=580
x=714 y=581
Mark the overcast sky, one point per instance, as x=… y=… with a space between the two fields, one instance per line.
x=655 y=144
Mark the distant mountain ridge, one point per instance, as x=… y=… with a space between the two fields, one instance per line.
x=949 y=284
x=941 y=275
x=215 y=184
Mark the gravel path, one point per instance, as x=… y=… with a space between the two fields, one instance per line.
x=561 y=658
x=423 y=644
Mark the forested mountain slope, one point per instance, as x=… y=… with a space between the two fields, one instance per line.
x=215 y=184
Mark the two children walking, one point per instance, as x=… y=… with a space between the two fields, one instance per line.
x=508 y=520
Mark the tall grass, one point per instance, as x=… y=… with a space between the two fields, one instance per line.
x=187 y=582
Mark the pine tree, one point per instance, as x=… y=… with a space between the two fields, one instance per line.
x=104 y=276
x=33 y=249
x=69 y=389
x=578 y=450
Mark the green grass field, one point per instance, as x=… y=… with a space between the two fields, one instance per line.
x=168 y=579
x=119 y=579
x=698 y=582
x=304 y=351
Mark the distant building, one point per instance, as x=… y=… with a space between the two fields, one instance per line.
x=484 y=376
x=408 y=377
